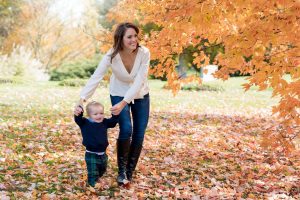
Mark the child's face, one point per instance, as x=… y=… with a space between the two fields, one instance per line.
x=97 y=113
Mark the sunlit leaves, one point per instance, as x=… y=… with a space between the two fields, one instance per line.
x=267 y=31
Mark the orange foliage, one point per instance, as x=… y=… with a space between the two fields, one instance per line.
x=51 y=40
x=268 y=30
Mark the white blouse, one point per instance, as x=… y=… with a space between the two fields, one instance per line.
x=133 y=85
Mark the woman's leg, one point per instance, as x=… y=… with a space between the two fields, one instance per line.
x=123 y=141
x=140 y=114
x=124 y=119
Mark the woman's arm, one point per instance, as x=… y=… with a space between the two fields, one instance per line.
x=90 y=87
x=79 y=107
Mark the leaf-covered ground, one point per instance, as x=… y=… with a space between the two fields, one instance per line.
x=198 y=145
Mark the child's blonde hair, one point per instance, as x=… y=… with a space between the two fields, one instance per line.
x=92 y=104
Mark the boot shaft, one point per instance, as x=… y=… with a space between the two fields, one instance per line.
x=133 y=157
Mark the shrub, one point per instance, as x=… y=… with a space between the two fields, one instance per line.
x=12 y=80
x=163 y=78
x=73 y=82
x=72 y=70
x=202 y=87
x=20 y=63
x=197 y=87
x=78 y=82
x=238 y=73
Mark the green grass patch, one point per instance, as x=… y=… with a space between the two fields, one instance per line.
x=202 y=87
x=1 y=177
x=73 y=82
x=49 y=162
x=49 y=100
x=11 y=80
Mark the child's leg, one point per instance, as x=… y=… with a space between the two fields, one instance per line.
x=102 y=164
x=91 y=164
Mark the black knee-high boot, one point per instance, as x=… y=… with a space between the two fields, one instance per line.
x=133 y=157
x=122 y=156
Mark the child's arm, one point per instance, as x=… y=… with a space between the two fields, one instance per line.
x=112 y=122
x=79 y=119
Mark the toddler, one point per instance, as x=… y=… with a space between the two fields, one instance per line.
x=94 y=134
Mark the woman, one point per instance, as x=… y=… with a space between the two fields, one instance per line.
x=129 y=93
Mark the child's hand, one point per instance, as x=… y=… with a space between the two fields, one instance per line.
x=78 y=110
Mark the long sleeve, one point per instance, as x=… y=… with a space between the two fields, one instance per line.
x=95 y=79
x=80 y=120
x=112 y=122
x=139 y=79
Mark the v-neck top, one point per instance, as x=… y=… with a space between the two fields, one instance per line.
x=133 y=85
x=123 y=62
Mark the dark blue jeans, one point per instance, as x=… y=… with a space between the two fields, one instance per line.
x=140 y=116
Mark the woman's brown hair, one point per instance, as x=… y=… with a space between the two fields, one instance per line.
x=118 y=37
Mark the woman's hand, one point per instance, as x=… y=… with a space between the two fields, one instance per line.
x=116 y=109
x=79 y=107
x=78 y=110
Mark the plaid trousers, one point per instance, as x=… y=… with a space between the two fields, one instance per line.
x=96 y=166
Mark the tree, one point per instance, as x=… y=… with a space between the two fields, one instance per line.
x=260 y=38
x=103 y=7
x=9 y=11
x=51 y=39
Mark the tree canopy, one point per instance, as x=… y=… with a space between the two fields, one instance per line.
x=261 y=38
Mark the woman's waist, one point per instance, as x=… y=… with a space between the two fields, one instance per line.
x=123 y=80
x=123 y=86
x=143 y=92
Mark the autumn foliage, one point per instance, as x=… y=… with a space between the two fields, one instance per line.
x=260 y=38
x=190 y=151
x=51 y=40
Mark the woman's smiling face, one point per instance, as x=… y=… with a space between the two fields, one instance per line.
x=130 y=39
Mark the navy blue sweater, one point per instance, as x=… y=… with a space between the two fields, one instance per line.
x=94 y=134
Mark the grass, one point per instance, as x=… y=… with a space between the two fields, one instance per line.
x=48 y=98
x=232 y=99
x=38 y=135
